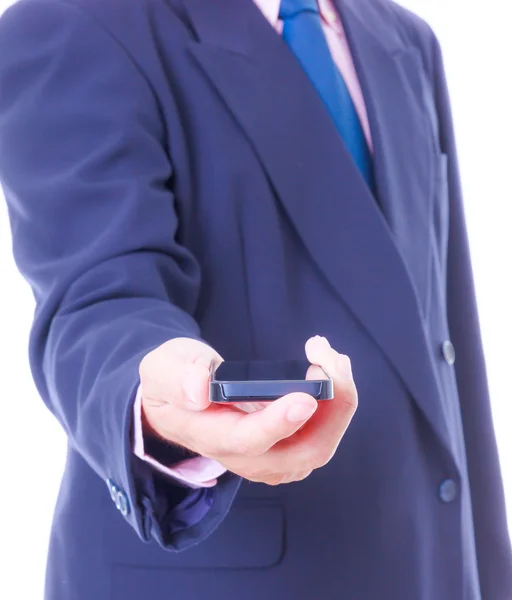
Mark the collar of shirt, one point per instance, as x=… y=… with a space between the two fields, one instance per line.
x=270 y=9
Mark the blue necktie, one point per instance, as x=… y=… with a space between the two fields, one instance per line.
x=302 y=31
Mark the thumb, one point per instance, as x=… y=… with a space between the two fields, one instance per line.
x=195 y=383
x=178 y=373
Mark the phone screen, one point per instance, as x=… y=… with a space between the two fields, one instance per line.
x=265 y=370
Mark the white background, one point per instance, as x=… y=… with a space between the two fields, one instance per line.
x=478 y=49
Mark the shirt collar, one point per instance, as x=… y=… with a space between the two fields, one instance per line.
x=270 y=9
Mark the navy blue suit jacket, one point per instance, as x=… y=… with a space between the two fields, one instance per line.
x=170 y=171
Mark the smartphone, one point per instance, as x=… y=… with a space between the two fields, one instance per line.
x=266 y=381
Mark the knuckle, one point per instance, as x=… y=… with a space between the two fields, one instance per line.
x=296 y=476
x=303 y=475
x=307 y=461
x=262 y=474
x=258 y=476
x=274 y=480
x=320 y=456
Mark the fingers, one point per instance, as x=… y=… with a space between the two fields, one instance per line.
x=337 y=366
x=335 y=415
x=319 y=352
x=316 y=373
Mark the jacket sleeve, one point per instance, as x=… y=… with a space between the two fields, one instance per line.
x=95 y=233
x=489 y=513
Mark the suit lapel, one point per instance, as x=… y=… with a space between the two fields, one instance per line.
x=389 y=74
x=316 y=180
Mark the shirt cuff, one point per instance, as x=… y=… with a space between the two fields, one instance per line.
x=197 y=472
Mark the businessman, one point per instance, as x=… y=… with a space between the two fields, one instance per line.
x=196 y=180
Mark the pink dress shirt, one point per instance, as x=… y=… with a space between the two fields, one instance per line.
x=203 y=472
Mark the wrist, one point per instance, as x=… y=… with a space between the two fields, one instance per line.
x=157 y=444
x=148 y=429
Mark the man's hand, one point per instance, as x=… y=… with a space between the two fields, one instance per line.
x=283 y=442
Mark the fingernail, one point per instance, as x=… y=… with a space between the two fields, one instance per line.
x=300 y=412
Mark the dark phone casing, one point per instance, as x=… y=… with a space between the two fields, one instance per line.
x=265 y=381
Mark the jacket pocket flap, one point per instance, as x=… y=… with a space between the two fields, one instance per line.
x=251 y=536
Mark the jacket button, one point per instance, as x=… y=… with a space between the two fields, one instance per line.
x=448 y=491
x=448 y=351
x=122 y=504
x=113 y=489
